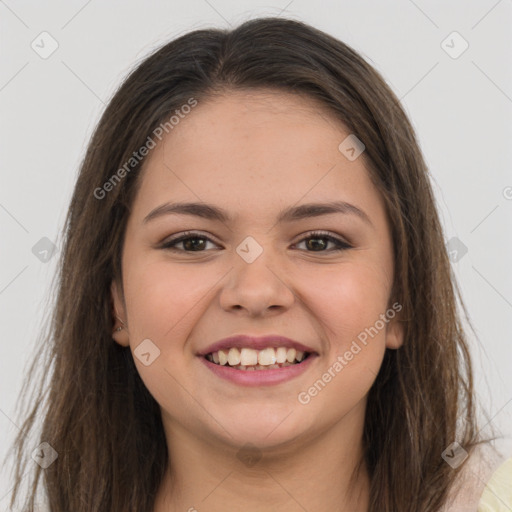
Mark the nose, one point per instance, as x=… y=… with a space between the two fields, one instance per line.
x=257 y=287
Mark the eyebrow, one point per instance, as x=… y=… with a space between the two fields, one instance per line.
x=291 y=214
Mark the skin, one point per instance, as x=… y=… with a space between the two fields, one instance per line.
x=254 y=154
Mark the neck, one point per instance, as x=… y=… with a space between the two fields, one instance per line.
x=307 y=474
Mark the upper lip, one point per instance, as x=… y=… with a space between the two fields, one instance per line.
x=254 y=342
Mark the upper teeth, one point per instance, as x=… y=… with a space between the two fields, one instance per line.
x=249 y=356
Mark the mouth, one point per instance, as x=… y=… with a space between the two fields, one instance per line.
x=249 y=359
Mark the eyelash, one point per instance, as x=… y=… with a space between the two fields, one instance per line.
x=188 y=235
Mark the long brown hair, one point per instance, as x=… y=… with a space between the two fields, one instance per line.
x=98 y=415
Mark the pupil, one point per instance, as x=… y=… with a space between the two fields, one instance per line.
x=191 y=243
x=312 y=244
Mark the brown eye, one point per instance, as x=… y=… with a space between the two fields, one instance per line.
x=195 y=242
x=190 y=243
x=318 y=242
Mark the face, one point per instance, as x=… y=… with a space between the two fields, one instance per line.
x=254 y=156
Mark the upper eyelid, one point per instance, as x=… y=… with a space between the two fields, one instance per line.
x=188 y=234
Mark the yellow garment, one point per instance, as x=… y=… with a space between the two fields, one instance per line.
x=497 y=495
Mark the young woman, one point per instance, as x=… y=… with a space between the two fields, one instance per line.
x=256 y=310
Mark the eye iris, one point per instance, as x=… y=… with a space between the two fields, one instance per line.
x=312 y=243
x=194 y=243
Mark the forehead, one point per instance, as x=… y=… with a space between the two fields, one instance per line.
x=254 y=153
x=254 y=117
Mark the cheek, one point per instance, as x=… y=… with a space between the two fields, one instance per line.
x=161 y=298
x=347 y=300
x=349 y=303
x=164 y=302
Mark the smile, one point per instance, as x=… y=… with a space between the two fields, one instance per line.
x=270 y=373
x=249 y=359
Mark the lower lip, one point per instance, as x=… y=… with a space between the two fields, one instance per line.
x=259 y=377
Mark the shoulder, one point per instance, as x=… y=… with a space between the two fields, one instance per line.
x=497 y=495
x=484 y=471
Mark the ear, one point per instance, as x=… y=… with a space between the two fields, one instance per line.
x=395 y=331
x=119 y=317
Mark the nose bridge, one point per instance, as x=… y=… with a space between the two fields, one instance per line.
x=253 y=261
x=255 y=282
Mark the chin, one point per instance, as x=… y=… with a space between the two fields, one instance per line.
x=264 y=430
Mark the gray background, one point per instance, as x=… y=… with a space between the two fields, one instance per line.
x=461 y=108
